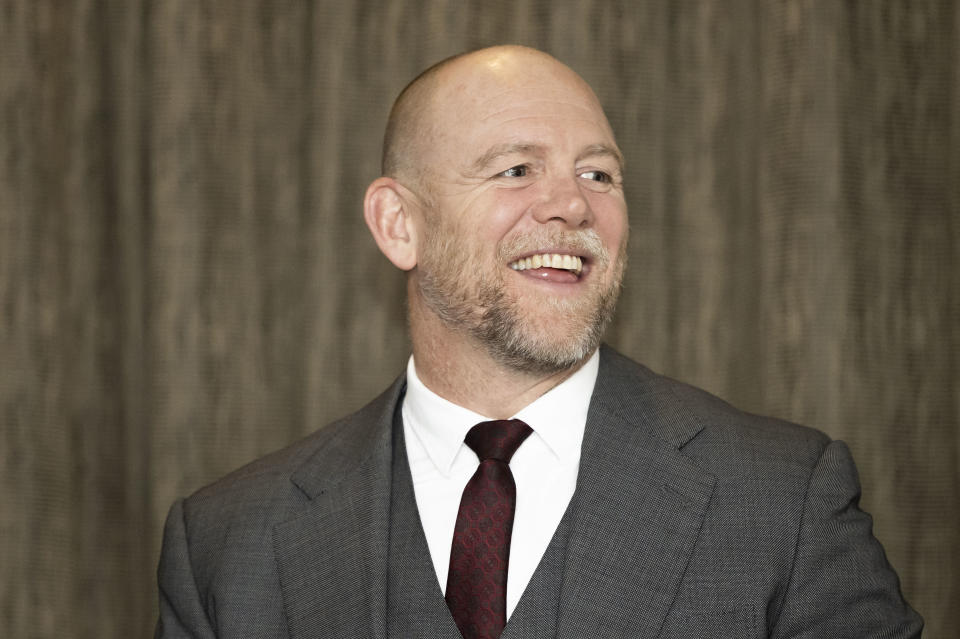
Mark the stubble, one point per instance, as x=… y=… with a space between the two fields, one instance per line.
x=544 y=335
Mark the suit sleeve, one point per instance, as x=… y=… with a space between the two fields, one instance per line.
x=842 y=584
x=182 y=612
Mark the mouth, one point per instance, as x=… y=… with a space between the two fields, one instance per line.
x=562 y=262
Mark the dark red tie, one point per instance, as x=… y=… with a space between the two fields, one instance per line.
x=477 y=581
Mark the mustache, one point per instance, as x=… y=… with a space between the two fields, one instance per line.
x=586 y=244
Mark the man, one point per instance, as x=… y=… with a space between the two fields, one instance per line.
x=519 y=481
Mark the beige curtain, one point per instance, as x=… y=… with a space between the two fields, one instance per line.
x=186 y=281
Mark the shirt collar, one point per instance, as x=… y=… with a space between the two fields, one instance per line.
x=558 y=417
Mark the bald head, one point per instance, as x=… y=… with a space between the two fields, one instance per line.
x=413 y=129
x=407 y=121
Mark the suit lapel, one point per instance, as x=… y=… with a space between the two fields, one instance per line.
x=638 y=508
x=636 y=516
x=332 y=557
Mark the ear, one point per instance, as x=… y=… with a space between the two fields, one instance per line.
x=388 y=215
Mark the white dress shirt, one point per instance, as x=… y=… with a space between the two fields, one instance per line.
x=544 y=467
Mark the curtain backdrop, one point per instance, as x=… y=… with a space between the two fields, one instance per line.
x=186 y=281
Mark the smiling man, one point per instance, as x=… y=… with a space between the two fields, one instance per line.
x=519 y=480
x=504 y=201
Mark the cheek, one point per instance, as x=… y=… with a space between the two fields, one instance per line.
x=504 y=208
x=487 y=215
x=611 y=221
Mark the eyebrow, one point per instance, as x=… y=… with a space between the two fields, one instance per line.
x=509 y=148
x=499 y=150
x=604 y=150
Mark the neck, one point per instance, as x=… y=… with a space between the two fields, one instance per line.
x=454 y=366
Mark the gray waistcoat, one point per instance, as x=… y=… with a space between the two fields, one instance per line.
x=415 y=604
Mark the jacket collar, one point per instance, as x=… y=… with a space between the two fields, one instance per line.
x=638 y=508
x=332 y=558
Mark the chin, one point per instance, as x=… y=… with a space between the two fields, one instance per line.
x=539 y=347
x=543 y=361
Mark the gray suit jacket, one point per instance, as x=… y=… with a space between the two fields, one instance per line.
x=690 y=519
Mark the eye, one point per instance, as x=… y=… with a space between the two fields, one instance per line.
x=515 y=171
x=597 y=176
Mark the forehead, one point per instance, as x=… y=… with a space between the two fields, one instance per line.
x=525 y=99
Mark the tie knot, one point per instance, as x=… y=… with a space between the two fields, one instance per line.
x=497 y=439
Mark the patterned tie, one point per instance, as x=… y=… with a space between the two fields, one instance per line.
x=477 y=580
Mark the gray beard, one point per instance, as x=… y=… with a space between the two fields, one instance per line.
x=481 y=308
x=503 y=334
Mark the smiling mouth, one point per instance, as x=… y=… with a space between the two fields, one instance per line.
x=570 y=263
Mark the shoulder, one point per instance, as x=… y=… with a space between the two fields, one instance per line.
x=273 y=487
x=719 y=437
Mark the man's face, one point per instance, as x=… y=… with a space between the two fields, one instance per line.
x=523 y=241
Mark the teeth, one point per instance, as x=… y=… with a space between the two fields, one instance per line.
x=549 y=260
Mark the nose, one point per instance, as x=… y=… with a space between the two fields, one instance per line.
x=563 y=201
